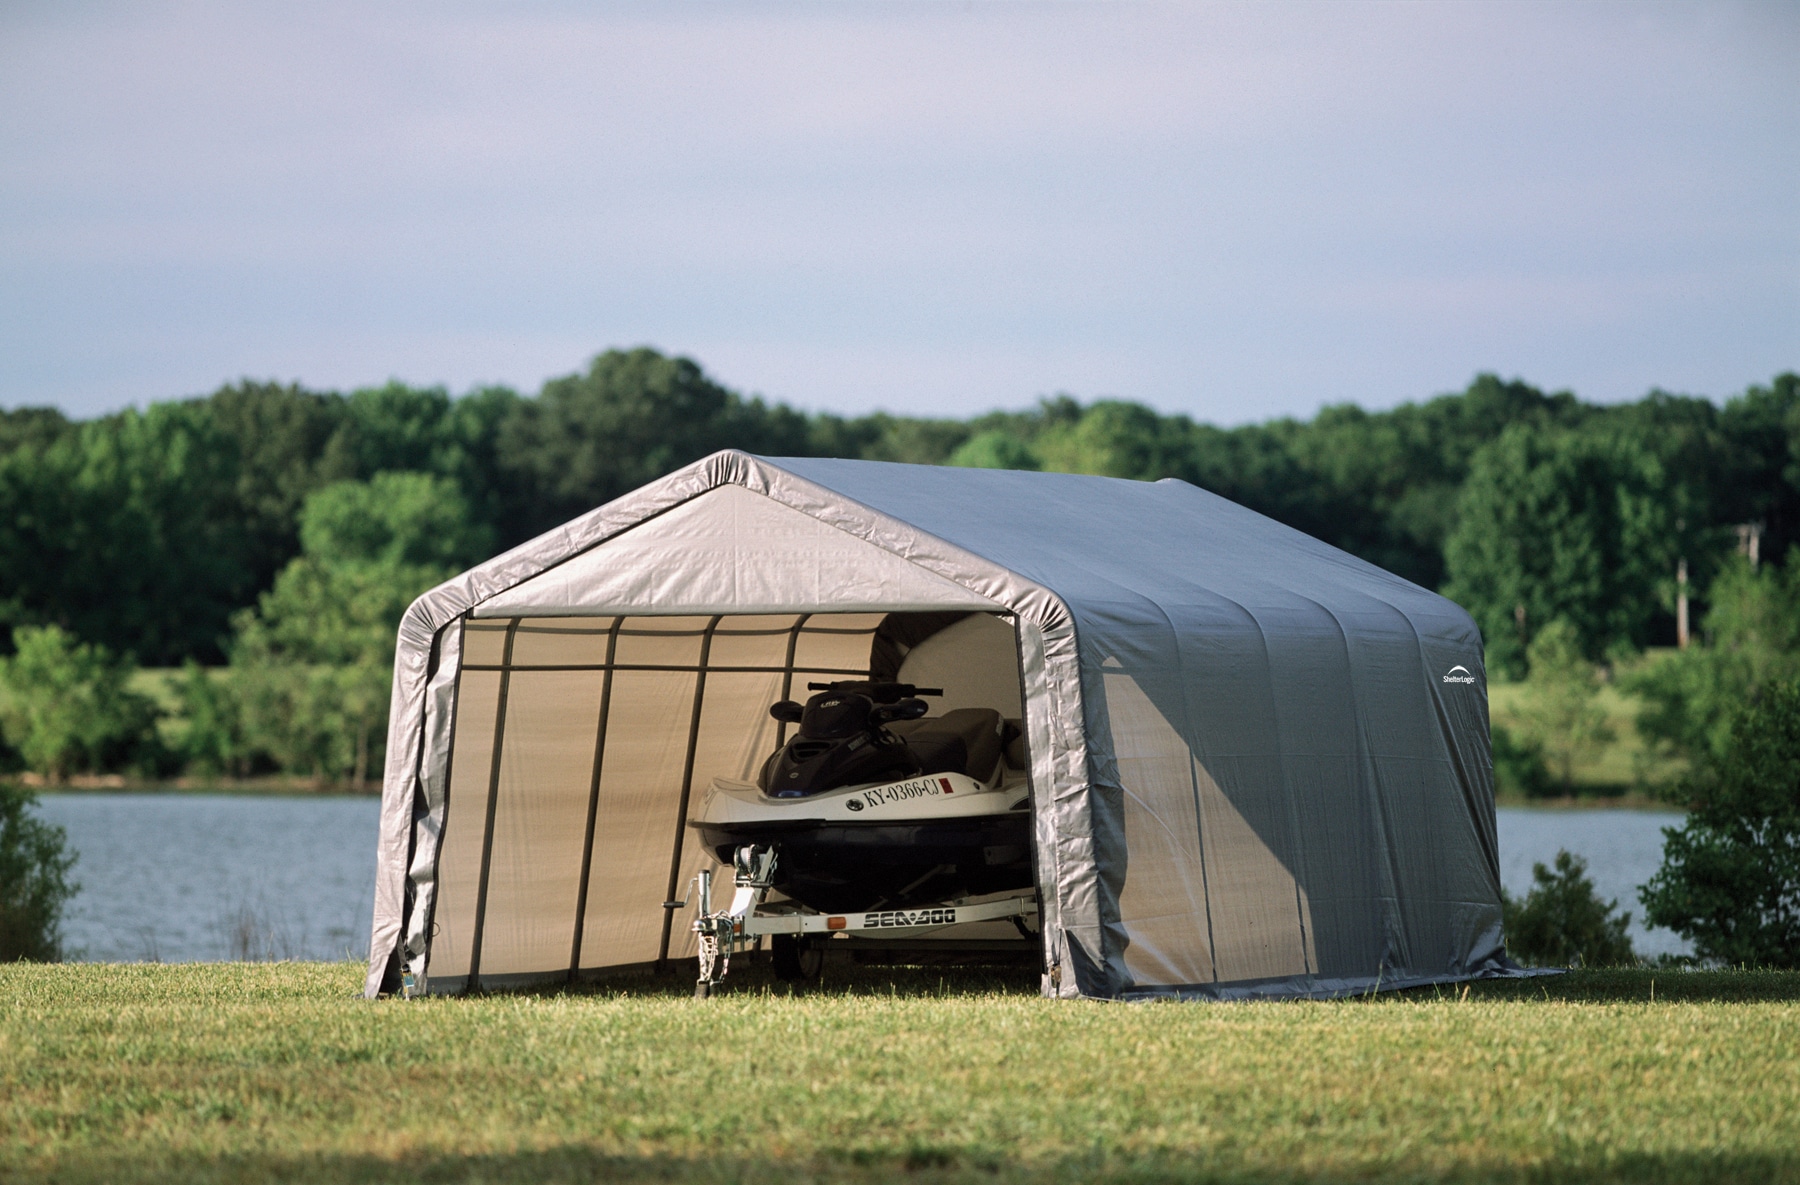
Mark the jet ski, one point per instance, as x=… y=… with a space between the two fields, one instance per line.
x=875 y=804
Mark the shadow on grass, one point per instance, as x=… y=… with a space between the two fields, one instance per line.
x=840 y=977
x=751 y=978
x=934 y=1164
x=1633 y=986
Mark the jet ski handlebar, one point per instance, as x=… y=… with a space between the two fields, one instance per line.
x=882 y=703
x=881 y=693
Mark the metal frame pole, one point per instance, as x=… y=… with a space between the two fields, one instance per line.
x=593 y=811
x=493 y=798
x=787 y=678
x=687 y=785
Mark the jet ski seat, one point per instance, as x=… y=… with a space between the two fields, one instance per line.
x=963 y=741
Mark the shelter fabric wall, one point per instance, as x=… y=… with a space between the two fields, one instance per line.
x=1207 y=897
x=729 y=550
x=1222 y=712
x=1296 y=798
x=579 y=743
x=1285 y=788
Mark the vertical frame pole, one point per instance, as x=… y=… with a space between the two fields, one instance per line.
x=493 y=799
x=587 y=844
x=687 y=786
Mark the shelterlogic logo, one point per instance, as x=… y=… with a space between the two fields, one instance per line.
x=1458 y=674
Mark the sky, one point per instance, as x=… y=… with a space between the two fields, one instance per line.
x=1233 y=211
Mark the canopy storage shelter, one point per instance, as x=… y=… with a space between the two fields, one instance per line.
x=1258 y=765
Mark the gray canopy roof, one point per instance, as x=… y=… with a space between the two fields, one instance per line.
x=1259 y=764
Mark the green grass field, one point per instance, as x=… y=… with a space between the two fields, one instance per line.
x=1615 y=769
x=1625 y=769
x=237 y=1072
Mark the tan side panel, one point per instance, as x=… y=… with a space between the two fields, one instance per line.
x=837 y=641
x=459 y=860
x=484 y=643
x=661 y=641
x=561 y=641
x=1163 y=902
x=540 y=819
x=634 y=831
x=752 y=641
x=736 y=735
x=1255 y=909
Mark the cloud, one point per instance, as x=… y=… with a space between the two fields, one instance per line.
x=1231 y=210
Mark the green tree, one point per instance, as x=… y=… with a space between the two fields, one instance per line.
x=1759 y=481
x=394 y=520
x=1116 y=439
x=400 y=428
x=32 y=428
x=287 y=443
x=883 y=437
x=126 y=532
x=994 y=449
x=1559 y=713
x=211 y=736
x=312 y=664
x=34 y=880
x=68 y=706
x=630 y=418
x=1562 y=922
x=276 y=437
x=1380 y=485
x=1730 y=876
x=1559 y=523
x=1749 y=640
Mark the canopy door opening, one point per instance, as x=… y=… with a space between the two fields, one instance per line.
x=582 y=745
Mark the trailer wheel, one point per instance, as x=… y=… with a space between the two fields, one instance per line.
x=794 y=959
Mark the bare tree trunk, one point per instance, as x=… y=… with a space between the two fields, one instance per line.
x=362 y=753
x=1681 y=603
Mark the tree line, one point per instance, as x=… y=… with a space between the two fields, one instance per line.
x=283 y=530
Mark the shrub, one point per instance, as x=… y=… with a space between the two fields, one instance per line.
x=1750 y=640
x=68 y=707
x=34 y=881
x=1562 y=922
x=328 y=721
x=210 y=738
x=1730 y=877
x=1519 y=765
x=1560 y=713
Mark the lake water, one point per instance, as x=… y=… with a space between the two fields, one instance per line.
x=1623 y=850
x=191 y=877
x=185 y=877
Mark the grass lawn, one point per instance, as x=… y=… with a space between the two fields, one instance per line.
x=237 y=1072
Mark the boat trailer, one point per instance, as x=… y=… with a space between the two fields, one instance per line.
x=750 y=916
